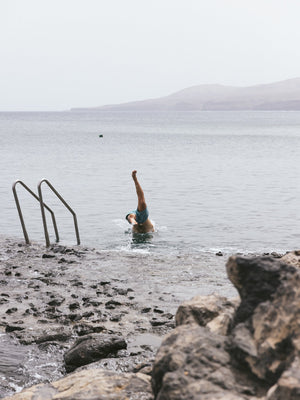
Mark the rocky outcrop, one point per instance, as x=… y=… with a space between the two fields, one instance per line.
x=90 y=385
x=91 y=348
x=259 y=357
x=266 y=331
x=191 y=363
x=214 y=311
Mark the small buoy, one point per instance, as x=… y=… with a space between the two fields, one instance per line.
x=100 y=135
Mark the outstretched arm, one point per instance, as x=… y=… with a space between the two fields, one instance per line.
x=139 y=191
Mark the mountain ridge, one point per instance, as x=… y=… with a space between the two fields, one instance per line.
x=280 y=95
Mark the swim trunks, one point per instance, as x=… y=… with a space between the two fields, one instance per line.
x=141 y=216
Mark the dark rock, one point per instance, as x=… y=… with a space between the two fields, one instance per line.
x=256 y=280
x=75 y=317
x=266 y=329
x=11 y=310
x=56 y=301
x=74 y=306
x=91 y=348
x=95 y=303
x=12 y=328
x=88 y=314
x=158 y=322
x=111 y=304
x=77 y=283
x=116 y=318
x=146 y=310
x=120 y=291
x=48 y=255
x=103 y=283
x=219 y=254
x=85 y=329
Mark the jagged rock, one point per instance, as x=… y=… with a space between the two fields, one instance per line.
x=266 y=332
x=288 y=386
x=215 y=312
x=91 y=348
x=292 y=258
x=91 y=384
x=193 y=363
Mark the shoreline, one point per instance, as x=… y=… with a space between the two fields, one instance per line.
x=51 y=297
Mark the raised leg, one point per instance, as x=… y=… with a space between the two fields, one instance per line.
x=139 y=191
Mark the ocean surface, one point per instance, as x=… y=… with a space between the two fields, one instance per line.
x=213 y=181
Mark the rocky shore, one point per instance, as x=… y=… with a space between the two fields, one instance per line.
x=110 y=342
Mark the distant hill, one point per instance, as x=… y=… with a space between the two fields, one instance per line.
x=284 y=95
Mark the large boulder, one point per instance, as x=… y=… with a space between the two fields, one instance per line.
x=214 y=311
x=193 y=363
x=91 y=384
x=266 y=331
x=91 y=348
x=261 y=352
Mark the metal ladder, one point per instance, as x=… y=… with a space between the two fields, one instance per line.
x=43 y=206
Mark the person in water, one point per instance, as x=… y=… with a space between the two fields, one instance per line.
x=139 y=219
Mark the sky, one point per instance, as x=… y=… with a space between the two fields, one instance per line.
x=59 y=54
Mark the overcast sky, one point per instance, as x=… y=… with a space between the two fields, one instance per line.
x=58 y=54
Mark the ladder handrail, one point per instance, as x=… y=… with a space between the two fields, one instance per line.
x=20 y=211
x=43 y=210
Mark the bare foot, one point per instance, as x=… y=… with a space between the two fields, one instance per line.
x=133 y=174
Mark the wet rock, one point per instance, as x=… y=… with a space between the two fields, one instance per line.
x=11 y=310
x=85 y=329
x=120 y=291
x=145 y=310
x=91 y=348
x=112 y=304
x=192 y=363
x=48 y=255
x=116 y=318
x=56 y=301
x=41 y=335
x=104 y=283
x=158 y=322
x=91 y=384
x=276 y=255
x=74 y=306
x=12 y=328
x=74 y=317
x=215 y=312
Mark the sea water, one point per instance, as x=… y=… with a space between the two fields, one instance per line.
x=213 y=181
